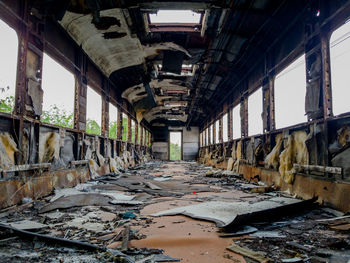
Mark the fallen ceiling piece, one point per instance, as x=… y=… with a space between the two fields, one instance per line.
x=26 y=225
x=78 y=200
x=249 y=253
x=244 y=230
x=119 y=50
x=152 y=186
x=125 y=202
x=229 y=214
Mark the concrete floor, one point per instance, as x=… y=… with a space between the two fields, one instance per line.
x=103 y=222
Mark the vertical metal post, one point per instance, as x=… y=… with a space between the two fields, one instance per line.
x=119 y=124
x=244 y=115
x=129 y=129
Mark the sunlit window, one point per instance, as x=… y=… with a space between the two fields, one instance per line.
x=211 y=139
x=207 y=136
x=113 y=119
x=93 y=112
x=340 y=68
x=58 y=85
x=144 y=137
x=236 y=122
x=138 y=134
x=290 y=90
x=125 y=127
x=225 y=128
x=132 y=131
x=217 y=131
x=149 y=139
x=175 y=16
x=255 y=124
x=8 y=67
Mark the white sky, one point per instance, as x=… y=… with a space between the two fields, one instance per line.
x=93 y=106
x=8 y=61
x=236 y=122
x=217 y=127
x=175 y=138
x=290 y=84
x=340 y=69
x=58 y=85
x=255 y=124
x=175 y=16
x=113 y=113
x=224 y=128
x=290 y=90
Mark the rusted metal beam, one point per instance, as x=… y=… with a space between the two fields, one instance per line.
x=268 y=105
x=129 y=129
x=141 y=138
x=136 y=132
x=175 y=28
x=105 y=108
x=26 y=167
x=244 y=115
x=326 y=76
x=119 y=124
x=220 y=130
x=317 y=168
x=230 y=124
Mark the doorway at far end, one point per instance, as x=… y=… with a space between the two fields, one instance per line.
x=175 y=146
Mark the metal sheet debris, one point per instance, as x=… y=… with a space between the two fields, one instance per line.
x=26 y=225
x=249 y=253
x=226 y=214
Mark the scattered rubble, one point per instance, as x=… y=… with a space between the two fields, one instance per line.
x=110 y=219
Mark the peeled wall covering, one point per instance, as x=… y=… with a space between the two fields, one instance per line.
x=99 y=181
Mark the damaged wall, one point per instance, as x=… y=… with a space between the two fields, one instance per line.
x=36 y=157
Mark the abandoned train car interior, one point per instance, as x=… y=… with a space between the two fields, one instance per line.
x=175 y=131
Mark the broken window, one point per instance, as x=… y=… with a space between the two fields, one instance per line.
x=340 y=64
x=144 y=137
x=113 y=119
x=211 y=137
x=255 y=124
x=290 y=90
x=217 y=131
x=175 y=16
x=205 y=137
x=236 y=122
x=132 y=131
x=139 y=134
x=225 y=128
x=8 y=67
x=93 y=112
x=58 y=85
x=149 y=139
x=125 y=127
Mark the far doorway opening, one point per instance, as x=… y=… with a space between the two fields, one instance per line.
x=175 y=146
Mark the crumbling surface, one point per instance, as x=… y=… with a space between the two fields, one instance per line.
x=225 y=213
x=8 y=148
x=128 y=225
x=294 y=152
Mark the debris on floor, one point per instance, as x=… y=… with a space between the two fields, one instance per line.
x=169 y=212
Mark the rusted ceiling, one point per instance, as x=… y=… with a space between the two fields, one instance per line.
x=233 y=37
